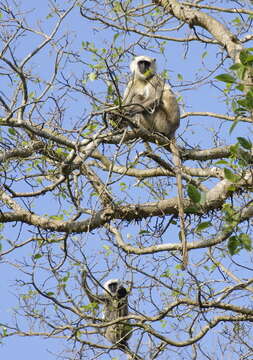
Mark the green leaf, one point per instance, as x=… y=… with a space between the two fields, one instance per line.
x=193 y=193
x=246 y=242
x=233 y=126
x=12 y=131
x=221 y=162
x=245 y=57
x=229 y=175
x=163 y=323
x=94 y=193
x=90 y=307
x=60 y=151
x=202 y=226
x=250 y=59
x=116 y=36
x=234 y=149
x=243 y=103
x=245 y=143
x=166 y=273
x=92 y=76
x=37 y=256
x=117 y=6
x=66 y=277
x=123 y=186
x=57 y=217
x=249 y=100
x=237 y=243
x=233 y=244
x=237 y=21
x=108 y=250
x=180 y=77
x=231 y=188
x=204 y=54
x=144 y=232
x=226 y=78
x=240 y=87
x=236 y=66
x=165 y=74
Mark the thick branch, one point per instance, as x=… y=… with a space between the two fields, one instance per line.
x=197 y=18
x=222 y=235
x=214 y=200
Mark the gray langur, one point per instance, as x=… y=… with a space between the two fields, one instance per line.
x=115 y=305
x=151 y=103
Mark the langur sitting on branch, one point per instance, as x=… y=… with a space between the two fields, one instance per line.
x=151 y=103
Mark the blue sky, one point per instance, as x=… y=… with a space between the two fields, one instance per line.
x=202 y=98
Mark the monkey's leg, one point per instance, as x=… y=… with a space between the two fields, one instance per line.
x=178 y=167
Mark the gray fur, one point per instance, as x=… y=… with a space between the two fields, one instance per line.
x=149 y=101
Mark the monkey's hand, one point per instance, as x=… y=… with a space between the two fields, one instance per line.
x=152 y=107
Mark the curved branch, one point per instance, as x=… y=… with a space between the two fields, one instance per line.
x=150 y=33
x=221 y=236
x=218 y=116
x=197 y=18
x=220 y=9
x=214 y=199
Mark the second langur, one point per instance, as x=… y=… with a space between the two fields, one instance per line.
x=151 y=103
x=115 y=305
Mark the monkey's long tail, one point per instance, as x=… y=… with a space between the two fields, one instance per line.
x=178 y=170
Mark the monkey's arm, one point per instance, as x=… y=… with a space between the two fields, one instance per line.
x=128 y=93
x=143 y=97
x=92 y=297
x=132 y=99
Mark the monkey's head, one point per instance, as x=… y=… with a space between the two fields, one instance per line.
x=115 y=288
x=143 y=67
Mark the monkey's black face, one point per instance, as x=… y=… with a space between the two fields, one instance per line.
x=113 y=287
x=121 y=292
x=144 y=66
